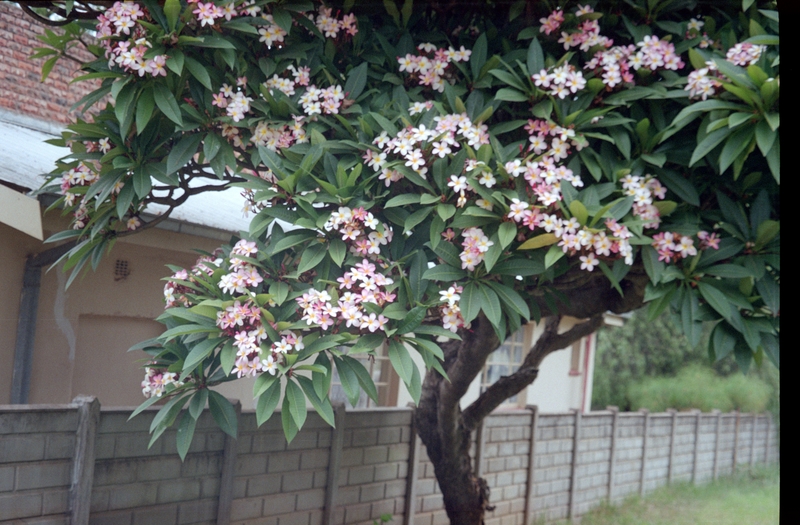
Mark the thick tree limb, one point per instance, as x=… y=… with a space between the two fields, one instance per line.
x=507 y=386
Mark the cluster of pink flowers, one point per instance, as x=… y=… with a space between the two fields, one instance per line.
x=360 y=229
x=693 y=27
x=702 y=82
x=175 y=293
x=644 y=190
x=207 y=13
x=674 y=246
x=330 y=26
x=80 y=175
x=430 y=67
x=548 y=139
x=416 y=146
x=655 y=54
x=587 y=36
x=124 y=40
x=475 y=245
x=236 y=104
x=243 y=275
x=271 y=34
x=276 y=138
x=156 y=380
x=560 y=81
x=317 y=100
x=552 y=22
x=451 y=310
x=545 y=178
x=364 y=285
x=745 y=54
x=284 y=84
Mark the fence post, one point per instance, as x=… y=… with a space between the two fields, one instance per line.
x=672 y=444
x=410 y=505
x=531 y=462
x=334 y=464
x=716 y=443
x=769 y=438
x=644 y=450
x=696 y=445
x=613 y=454
x=80 y=490
x=753 y=440
x=574 y=474
x=229 y=452
x=736 y=441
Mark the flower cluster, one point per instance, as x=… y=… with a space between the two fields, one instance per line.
x=674 y=246
x=364 y=285
x=207 y=13
x=702 y=82
x=156 y=380
x=125 y=42
x=360 y=229
x=271 y=34
x=451 y=310
x=552 y=22
x=614 y=65
x=416 y=146
x=330 y=26
x=316 y=100
x=236 y=104
x=745 y=54
x=276 y=138
x=644 y=190
x=431 y=66
x=243 y=275
x=475 y=244
x=560 y=81
x=587 y=36
x=80 y=175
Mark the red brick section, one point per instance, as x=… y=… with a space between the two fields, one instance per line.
x=21 y=89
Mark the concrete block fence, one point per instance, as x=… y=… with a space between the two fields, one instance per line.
x=79 y=464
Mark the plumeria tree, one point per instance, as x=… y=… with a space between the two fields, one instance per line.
x=430 y=177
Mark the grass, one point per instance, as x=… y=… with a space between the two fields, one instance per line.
x=749 y=498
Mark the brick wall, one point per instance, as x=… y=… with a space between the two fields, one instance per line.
x=21 y=89
x=538 y=466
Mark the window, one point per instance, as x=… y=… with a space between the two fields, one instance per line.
x=506 y=360
x=382 y=373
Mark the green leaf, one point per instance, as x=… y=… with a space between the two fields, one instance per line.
x=268 y=401
x=412 y=320
x=198 y=402
x=521 y=267
x=511 y=298
x=733 y=271
x=182 y=152
x=715 y=298
x=734 y=146
x=535 y=61
x=511 y=95
x=367 y=342
x=166 y=102
x=553 y=255
x=321 y=405
x=338 y=250
x=297 y=403
x=200 y=352
x=311 y=257
x=506 y=233
x=766 y=231
x=401 y=360
x=444 y=272
x=185 y=434
x=227 y=357
x=223 y=413
x=199 y=72
x=290 y=429
x=579 y=211
x=402 y=200
x=144 y=109
x=356 y=81
x=711 y=141
x=363 y=377
x=417 y=282
x=681 y=187
x=348 y=380
x=490 y=304
x=478 y=56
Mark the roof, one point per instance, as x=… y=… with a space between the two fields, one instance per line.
x=26 y=159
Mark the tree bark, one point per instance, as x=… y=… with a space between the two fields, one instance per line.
x=446 y=430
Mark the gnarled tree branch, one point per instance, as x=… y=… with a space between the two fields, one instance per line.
x=507 y=386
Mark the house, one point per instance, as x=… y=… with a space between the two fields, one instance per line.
x=58 y=343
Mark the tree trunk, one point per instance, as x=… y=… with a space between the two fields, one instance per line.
x=446 y=430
